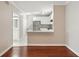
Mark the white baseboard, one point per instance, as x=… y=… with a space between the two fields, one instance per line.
x=6 y=50
x=20 y=45
x=72 y=50
x=46 y=45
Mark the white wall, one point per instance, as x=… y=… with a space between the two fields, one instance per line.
x=72 y=25
x=5 y=26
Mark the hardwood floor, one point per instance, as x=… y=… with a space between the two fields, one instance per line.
x=39 y=51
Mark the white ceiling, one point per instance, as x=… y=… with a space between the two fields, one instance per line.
x=61 y=2
x=35 y=6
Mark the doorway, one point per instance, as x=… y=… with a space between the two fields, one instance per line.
x=19 y=30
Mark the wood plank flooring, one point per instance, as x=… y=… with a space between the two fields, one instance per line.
x=39 y=51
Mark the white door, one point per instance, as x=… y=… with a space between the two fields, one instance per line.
x=15 y=29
